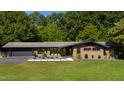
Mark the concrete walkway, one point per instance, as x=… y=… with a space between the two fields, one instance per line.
x=13 y=60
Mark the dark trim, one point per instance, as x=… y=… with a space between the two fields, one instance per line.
x=89 y=42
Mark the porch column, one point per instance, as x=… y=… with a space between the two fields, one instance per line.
x=8 y=53
x=107 y=53
x=81 y=52
x=48 y=51
x=74 y=52
x=62 y=52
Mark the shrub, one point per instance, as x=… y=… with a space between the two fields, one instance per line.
x=40 y=55
x=92 y=56
x=86 y=56
x=99 y=57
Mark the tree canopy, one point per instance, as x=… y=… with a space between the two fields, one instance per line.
x=51 y=32
x=90 y=32
x=15 y=26
x=117 y=32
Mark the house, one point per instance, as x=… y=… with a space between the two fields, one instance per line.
x=84 y=50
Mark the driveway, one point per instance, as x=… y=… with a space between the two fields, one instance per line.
x=13 y=60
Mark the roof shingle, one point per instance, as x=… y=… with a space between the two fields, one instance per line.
x=38 y=44
x=49 y=44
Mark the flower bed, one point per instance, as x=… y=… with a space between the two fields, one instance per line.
x=55 y=59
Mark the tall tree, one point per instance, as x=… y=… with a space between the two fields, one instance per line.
x=56 y=18
x=38 y=19
x=73 y=25
x=15 y=26
x=117 y=32
x=51 y=32
x=90 y=32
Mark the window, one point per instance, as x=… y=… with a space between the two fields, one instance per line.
x=96 y=49
x=87 y=49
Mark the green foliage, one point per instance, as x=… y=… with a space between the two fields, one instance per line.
x=117 y=32
x=76 y=70
x=90 y=32
x=38 y=19
x=15 y=26
x=50 y=33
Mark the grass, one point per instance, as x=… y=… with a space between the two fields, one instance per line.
x=77 y=70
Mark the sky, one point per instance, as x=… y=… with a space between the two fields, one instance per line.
x=46 y=13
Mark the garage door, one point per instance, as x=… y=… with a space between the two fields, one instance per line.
x=21 y=53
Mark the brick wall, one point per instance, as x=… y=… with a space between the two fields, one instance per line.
x=91 y=54
x=74 y=52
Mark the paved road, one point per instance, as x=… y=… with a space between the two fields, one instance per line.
x=13 y=60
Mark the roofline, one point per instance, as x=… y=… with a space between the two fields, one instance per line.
x=100 y=44
x=78 y=43
x=94 y=43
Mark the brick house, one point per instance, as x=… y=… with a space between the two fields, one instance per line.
x=83 y=50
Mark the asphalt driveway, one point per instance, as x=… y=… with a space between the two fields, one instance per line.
x=13 y=60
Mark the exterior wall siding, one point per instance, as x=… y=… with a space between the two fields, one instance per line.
x=74 y=52
x=93 y=54
x=102 y=53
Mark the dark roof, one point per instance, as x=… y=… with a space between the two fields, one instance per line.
x=48 y=44
x=38 y=44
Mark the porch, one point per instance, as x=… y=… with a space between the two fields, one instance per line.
x=53 y=52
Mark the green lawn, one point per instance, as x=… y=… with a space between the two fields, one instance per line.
x=77 y=70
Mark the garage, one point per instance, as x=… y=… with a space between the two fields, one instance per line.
x=20 y=52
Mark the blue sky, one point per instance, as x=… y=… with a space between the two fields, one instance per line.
x=46 y=13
